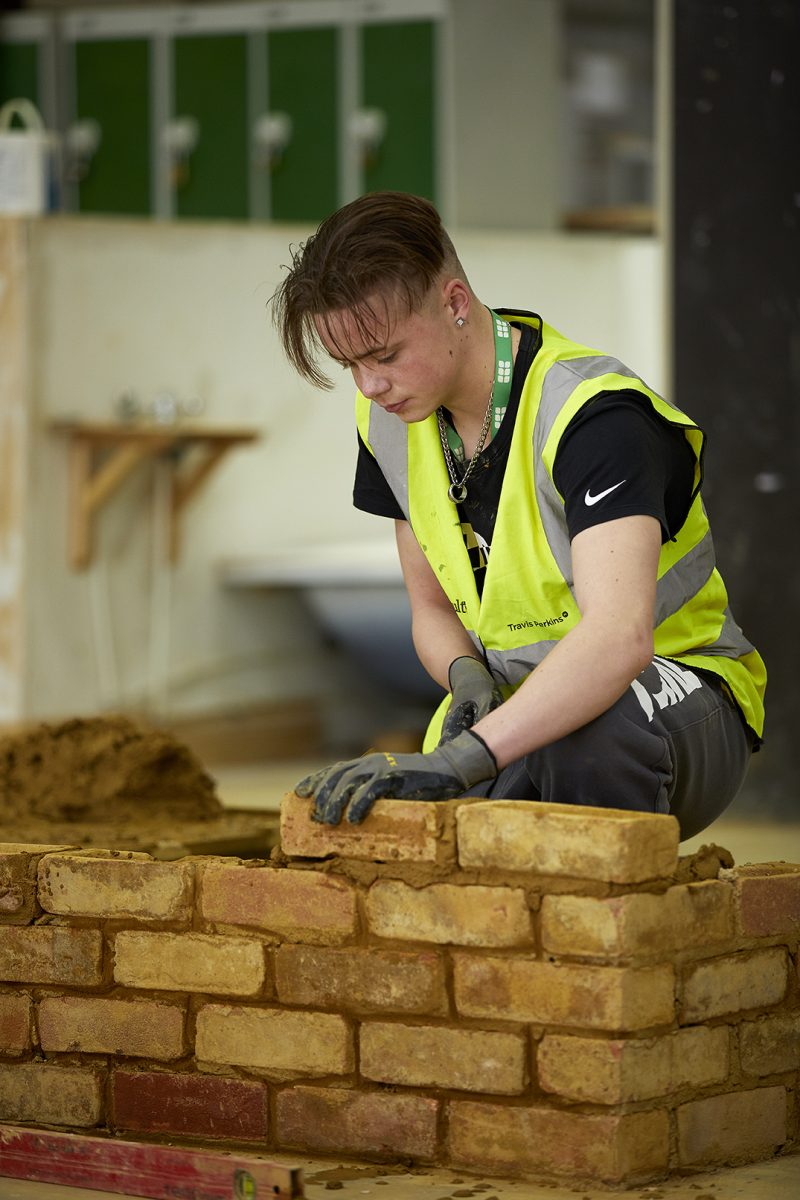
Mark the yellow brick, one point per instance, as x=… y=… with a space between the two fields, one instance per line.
x=190 y=962
x=46 y=1094
x=560 y=839
x=434 y=1056
x=770 y=1046
x=732 y=1128
x=89 y=885
x=619 y=999
x=308 y=1043
x=639 y=924
x=613 y=1071
x=511 y=1140
x=734 y=983
x=449 y=914
x=393 y=831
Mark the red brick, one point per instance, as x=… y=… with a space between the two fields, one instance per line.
x=15 y=1023
x=393 y=831
x=101 y=884
x=472 y=1060
x=46 y=1094
x=507 y=1140
x=301 y=905
x=359 y=980
x=373 y=1124
x=737 y=1127
x=207 y=1106
x=619 y=999
x=768 y=899
x=95 y=1025
x=51 y=954
x=279 y=1041
x=770 y=1046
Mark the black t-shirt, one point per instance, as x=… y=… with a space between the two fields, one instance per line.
x=617 y=458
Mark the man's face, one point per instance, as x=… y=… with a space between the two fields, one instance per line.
x=404 y=362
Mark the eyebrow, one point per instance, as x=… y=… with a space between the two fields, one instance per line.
x=364 y=354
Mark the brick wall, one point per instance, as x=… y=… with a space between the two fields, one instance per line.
x=521 y=989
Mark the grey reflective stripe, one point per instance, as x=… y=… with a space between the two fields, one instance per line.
x=685 y=579
x=512 y=666
x=559 y=384
x=731 y=642
x=388 y=437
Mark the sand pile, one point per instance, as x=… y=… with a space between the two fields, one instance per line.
x=106 y=781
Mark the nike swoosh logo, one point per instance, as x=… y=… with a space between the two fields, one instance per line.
x=590 y=499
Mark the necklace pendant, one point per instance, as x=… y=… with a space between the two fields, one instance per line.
x=457 y=493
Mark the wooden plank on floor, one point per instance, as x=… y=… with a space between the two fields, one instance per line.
x=143 y=1169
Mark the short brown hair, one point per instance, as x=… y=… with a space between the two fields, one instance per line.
x=391 y=244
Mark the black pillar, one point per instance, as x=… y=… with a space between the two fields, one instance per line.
x=736 y=245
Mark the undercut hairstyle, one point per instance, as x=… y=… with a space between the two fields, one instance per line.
x=376 y=257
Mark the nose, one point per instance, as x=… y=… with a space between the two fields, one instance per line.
x=371 y=383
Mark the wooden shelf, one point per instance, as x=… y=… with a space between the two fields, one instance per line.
x=102 y=456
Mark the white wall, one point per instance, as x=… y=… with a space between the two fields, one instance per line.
x=141 y=305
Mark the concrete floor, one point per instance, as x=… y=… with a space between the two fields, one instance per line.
x=261 y=787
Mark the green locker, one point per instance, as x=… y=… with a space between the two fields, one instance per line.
x=211 y=87
x=19 y=71
x=398 y=79
x=112 y=81
x=302 y=82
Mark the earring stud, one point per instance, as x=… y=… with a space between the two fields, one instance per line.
x=459 y=321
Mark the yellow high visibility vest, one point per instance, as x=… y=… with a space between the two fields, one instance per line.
x=528 y=600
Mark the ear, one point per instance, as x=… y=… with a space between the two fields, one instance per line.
x=457 y=297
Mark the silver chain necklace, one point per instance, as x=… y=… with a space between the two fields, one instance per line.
x=457 y=492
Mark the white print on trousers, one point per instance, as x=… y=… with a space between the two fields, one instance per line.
x=678 y=683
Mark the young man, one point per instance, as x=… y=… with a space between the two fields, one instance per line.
x=553 y=542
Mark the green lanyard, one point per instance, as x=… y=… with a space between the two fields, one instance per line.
x=501 y=388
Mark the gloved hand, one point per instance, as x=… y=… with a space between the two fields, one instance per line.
x=441 y=774
x=475 y=693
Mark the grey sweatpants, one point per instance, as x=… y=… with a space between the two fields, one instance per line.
x=673 y=743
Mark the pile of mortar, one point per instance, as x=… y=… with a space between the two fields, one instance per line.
x=106 y=781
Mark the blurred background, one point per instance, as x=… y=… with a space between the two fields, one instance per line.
x=177 y=539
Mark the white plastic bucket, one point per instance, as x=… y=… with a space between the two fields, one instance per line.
x=26 y=160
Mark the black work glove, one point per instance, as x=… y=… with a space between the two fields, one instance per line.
x=441 y=774
x=475 y=693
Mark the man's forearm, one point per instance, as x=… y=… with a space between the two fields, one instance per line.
x=439 y=637
x=579 y=679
